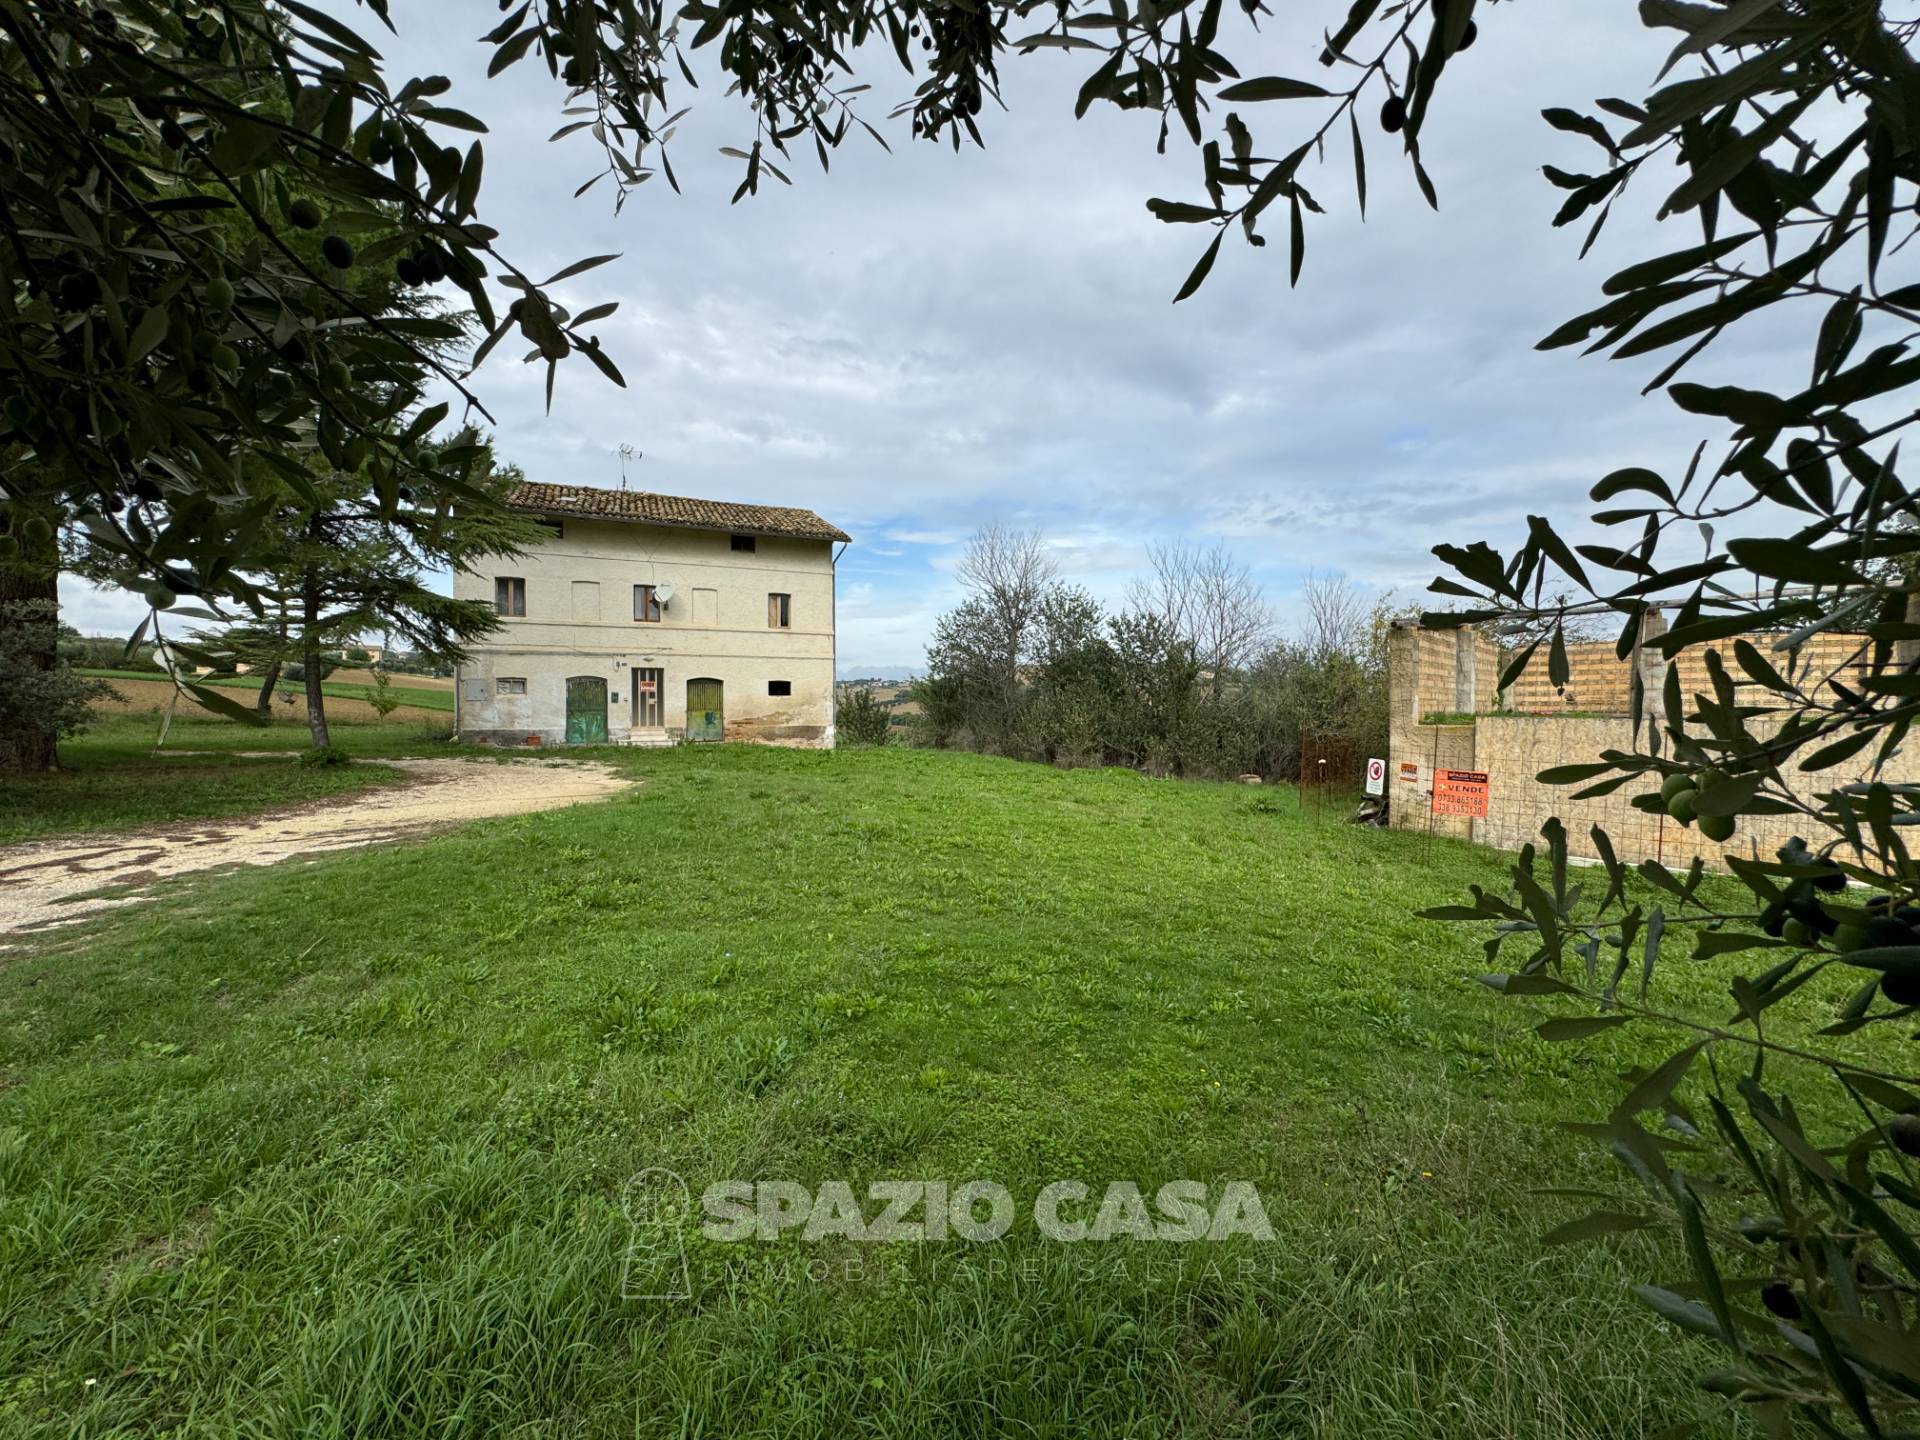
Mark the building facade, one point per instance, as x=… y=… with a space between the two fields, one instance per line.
x=649 y=619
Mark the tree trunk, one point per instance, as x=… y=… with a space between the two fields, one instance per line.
x=30 y=603
x=310 y=660
x=269 y=680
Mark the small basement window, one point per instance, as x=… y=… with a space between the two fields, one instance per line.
x=509 y=595
x=506 y=686
x=779 y=687
x=742 y=543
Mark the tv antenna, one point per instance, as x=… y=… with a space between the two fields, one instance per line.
x=626 y=453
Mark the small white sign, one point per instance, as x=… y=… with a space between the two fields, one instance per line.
x=1376 y=777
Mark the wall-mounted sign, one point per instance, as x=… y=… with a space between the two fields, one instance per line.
x=1376 y=777
x=1409 y=772
x=1460 y=792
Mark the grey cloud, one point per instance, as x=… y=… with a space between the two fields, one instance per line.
x=921 y=341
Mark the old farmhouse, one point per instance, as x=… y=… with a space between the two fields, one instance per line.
x=644 y=619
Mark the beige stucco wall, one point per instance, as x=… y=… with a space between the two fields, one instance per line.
x=579 y=621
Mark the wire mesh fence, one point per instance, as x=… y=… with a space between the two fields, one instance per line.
x=1332 y=773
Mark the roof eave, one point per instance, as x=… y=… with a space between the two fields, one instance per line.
x=828 y=535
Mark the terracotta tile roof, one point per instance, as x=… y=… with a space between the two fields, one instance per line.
x=652 y=509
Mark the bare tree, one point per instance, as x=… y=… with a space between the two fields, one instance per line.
x=1008 y=571
x=1336 y=617
x=1210 y=600
x=1169 y=593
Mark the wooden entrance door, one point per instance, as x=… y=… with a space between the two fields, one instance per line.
x=647 y=685
x=587 y=710
x=706 y=712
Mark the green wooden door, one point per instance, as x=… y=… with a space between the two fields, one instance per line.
x=587 y=710
x=706 y=711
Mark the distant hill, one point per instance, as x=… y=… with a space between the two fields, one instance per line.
x=890 y=693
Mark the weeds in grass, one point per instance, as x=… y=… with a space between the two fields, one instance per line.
x=339 y=1149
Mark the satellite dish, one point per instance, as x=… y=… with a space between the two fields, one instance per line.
x=663 y=593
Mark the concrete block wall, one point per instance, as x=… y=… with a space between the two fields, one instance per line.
x=1513 y=749
x=1598 y=678
x=1434 y=672
x=1428 y=674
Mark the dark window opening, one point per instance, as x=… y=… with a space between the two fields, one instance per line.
x=509 y=595
x=646 y=605
x=558 y=528
x=744 y=543
x=779 y=687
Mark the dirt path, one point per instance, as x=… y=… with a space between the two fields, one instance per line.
x=50 y=883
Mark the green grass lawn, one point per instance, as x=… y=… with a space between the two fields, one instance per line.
x=113 y=777
x=339 y=1149
x=419 y=697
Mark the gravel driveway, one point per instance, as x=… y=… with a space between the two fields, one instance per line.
x=50 y=883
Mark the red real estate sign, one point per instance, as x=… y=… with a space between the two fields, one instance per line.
x=1460 y=792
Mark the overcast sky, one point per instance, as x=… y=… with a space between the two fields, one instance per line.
x=919 y=342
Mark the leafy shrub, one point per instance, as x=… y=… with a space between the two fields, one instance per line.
x=40 y=704
x=325 y=755
x=1127 y=689
x=380 y=695
x=863 y=720
x=104 y=652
